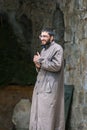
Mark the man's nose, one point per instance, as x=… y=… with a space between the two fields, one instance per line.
x=42 y=38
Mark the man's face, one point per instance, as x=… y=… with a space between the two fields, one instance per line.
x=45 y=38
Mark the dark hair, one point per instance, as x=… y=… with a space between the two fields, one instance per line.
x=50 y=31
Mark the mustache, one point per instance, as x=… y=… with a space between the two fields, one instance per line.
x=43 y=40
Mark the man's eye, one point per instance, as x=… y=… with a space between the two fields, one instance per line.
x=45 y=36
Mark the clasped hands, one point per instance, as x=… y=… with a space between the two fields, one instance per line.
x=35 y=60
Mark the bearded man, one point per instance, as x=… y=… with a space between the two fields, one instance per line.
x=47 y=110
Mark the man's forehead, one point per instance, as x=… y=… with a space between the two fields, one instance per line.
x=44 y=32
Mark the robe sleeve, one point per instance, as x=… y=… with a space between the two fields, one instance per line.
x=55 y=63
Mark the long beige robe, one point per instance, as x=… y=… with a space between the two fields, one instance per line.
x=47 y=110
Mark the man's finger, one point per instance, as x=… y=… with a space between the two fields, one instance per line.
x=38 y=53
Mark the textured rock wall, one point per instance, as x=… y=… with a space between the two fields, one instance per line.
x=75 y=36
x=75 y=17
x=39 y=13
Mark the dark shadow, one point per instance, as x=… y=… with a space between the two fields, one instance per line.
x=68 y=103
x=16 y=66
x=58 y=25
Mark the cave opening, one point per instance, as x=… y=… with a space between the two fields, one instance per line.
x=16 y=65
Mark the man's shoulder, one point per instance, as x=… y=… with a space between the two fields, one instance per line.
x=57 y=46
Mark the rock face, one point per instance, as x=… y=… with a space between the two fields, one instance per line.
x=21 y=114
x=27 y=19
x=68 y=17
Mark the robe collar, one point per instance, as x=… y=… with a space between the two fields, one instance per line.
x=46 y=46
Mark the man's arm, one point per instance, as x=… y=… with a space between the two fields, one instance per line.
x=55 y=63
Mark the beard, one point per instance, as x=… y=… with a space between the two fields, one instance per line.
x=45 y=42
x=46 y=45
x=48 y=42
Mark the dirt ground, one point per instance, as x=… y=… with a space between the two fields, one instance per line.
x=9 y=97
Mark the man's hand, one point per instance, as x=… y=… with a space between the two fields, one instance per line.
x=36 y=57
x=35 y=60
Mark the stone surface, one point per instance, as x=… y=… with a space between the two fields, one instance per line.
x=21 y=114
x=9 y=96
